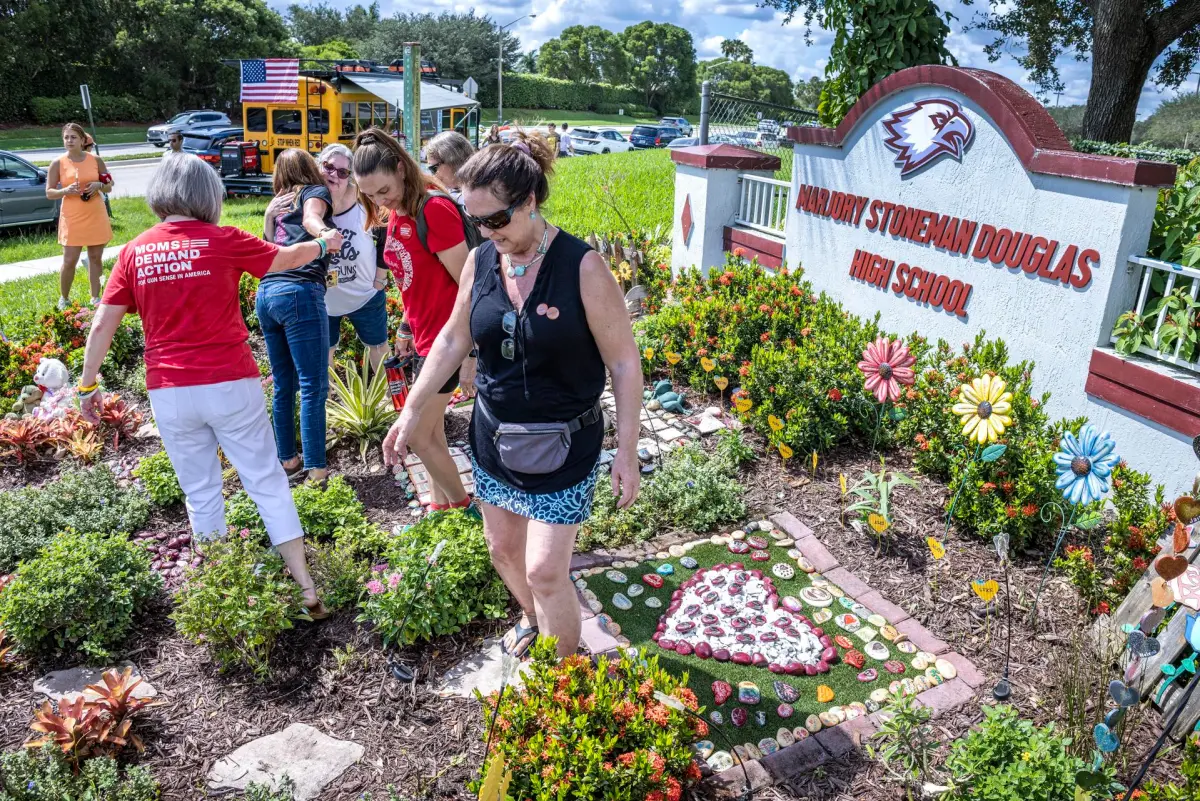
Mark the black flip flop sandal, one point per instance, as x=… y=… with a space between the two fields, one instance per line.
x=521 y=634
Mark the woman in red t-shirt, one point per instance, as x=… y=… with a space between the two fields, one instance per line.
x=427 y=270
x=181 y=277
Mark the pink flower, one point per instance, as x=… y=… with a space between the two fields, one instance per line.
x=244 y=533
x=394 y=580
x=379 y=568
x=887 y=364
x=374 y=587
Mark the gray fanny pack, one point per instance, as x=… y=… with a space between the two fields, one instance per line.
x=537 y=448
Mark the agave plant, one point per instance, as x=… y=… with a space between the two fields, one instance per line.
x=359 y=406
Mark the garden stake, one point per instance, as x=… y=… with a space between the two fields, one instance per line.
x=674 y=703
x=963 y=483
x=401 y=671
x=1046 y=514
x=1003 y=689
x=1158 y=744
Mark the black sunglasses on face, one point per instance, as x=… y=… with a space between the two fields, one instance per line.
x=340 y=172
x=497 y=219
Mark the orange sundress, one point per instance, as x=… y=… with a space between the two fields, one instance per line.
x=81 y=223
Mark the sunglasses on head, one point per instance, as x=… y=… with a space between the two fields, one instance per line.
x=340 y=172
x=497 y=219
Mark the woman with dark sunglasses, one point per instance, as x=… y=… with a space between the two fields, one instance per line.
x=426 y=256
x=548 y=320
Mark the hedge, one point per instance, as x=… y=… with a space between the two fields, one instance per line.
x=538 y=91
x=1145 y=152
x=105 y=108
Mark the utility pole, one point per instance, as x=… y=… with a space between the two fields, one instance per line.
x=500 y=70
x=1057 y=95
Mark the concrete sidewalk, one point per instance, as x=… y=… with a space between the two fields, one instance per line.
x=50 y=264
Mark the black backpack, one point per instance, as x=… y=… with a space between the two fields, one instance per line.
x=471 y=232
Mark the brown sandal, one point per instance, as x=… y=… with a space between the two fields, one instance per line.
x=316 y=611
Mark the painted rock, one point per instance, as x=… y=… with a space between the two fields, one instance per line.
x=622 y=602
x=868 y=675
x=847 y=622
x=604 y=621
x=676 y=551
x=709 y=619
x=760 y=556
x=688 y=562
x=703 y=650
x=721 y=654
x=704 y=749
x=616 y=577
x=920 y=662
x=717 y=580
x=921 y=683
x=929 y=658
x=652 y=602
x=719 y=761
x=665 y=570
x=716 y=717
x=684 y=626
x=824 y=694
x=872 y=707
x=876 y=620
x=653 y=580
x=758 y=660
x=768 y=745
x=829 y=719
x=683 y=648
x=748 y=693
x=740 y=658
x=946 y=668
x=711 y=597
x=894 y=667
x=906 y=647
x=843 y=642
x=757 y=543
x=737 y=546
x=666 y=643
x=635 y=590
x=889 y=632
x=876 y=650
x=785 y=737
x=879 y=696
x=822 y=616
x=784 y=710
x=816 y=596
x=855 y=659
x=594 y=605
x=857 y=706
x=722 y=691
x=910 y=687
x=866 y=634
x=934 y=676
x=786 y=692
x=846 y=603
x=738 y=535
x=805 y=565
x=790 y=603
x=752 y=751
x=740 y=755
x=760 y=718
x=794 y=554
x=783 y=571
x=801 y=733
x=813 y=724
x=739 y=716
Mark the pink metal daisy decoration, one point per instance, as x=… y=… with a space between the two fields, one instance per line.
x=887 y=364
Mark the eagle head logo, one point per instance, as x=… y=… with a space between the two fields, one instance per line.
x=926 y=130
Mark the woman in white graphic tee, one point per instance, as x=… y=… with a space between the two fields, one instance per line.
x=357 y=273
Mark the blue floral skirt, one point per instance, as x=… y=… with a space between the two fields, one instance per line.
x=567 y=507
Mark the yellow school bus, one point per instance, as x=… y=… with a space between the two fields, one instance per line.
x=339 y=99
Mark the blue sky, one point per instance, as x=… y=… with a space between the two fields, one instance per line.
x=774 y=43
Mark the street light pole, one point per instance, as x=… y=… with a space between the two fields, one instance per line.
x=500 y=70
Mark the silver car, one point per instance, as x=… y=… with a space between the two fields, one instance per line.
x=185 y=122
x=23 y=198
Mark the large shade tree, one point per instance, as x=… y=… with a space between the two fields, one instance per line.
x=462 y=45
x=662 y=63
x=586 y=54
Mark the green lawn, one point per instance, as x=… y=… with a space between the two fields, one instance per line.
x=541 y=116
x=591 y=194
x=30 y=138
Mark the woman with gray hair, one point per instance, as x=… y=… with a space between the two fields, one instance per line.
x=181 y=277
x=445 y=155
x=357 y=273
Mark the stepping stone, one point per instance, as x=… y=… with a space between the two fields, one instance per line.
x=483 y=671
x=312 y=760
x=69 y=684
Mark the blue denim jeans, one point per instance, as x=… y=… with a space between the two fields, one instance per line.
x=295 y=326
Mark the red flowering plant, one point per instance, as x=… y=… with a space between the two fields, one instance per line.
x=595 y=732
x=68 y=329
x=247 y=298
x=1105 y=575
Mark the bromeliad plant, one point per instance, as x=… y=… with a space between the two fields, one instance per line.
x=360 y=408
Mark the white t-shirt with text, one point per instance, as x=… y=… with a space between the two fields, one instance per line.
x=354 y=264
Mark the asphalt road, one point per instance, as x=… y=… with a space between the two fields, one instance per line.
x=50 y=153
x=131 y=178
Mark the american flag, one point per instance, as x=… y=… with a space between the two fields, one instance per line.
x=271 y=80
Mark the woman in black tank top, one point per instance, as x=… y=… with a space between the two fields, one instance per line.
x=547 y=319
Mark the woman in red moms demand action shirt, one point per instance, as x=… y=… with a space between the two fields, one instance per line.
x=427 y=274
x=181 y=277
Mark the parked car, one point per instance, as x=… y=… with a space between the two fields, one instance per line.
x=185 y=122
x=756 y=139
x=599 y=140
x=768 y=127
x=645 y=136
x=685 y=127
x=23 y=198
x=692 y=141
x=207 y=142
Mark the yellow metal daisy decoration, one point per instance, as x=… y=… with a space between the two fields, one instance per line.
x=984 y=407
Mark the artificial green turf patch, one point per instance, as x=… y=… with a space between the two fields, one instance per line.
x=640 y=623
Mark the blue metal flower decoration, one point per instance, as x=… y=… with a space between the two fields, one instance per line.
x=1084 y=464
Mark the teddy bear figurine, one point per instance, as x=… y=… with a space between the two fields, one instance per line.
x=24 y=405
x=54 y=380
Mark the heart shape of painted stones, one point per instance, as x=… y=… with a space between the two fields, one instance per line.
x=755 y=629
x=722 y=691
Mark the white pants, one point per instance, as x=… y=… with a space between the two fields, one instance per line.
x=193 y=421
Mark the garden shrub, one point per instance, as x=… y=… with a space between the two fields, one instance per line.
x=247 y=297
x=461 y=587
x=1189 y=770
x=79 y=594
x=733 y=448
x=1008 y=758
x=590 y=732
x=86 y=499
x=1174 y=155
x=105 y=108
x=1130 y=546
x=609 y=527
x=541 y=92
x=158 y=477
x=322 y=510
x=238 y=603
x=339 y=574
x=45 y=775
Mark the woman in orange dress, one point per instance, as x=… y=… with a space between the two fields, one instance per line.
x=75 y=178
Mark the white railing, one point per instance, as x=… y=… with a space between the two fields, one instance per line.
x=764 y=204
x=1173 y=273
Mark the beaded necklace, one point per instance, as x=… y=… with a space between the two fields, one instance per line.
x=518 y=270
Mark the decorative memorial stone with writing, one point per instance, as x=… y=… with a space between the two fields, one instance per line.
x=652 y=602
x=757 y=543
x=906 y=647
x=737 y=546
x=622 y=602
x=748 y=692
x=616 y=577
x=722 y=691
x=740 y=715
x=653 y=580
x=716 y=717
x=786 y=692
x=688 y=562
x=785 y=737
x=783 y=571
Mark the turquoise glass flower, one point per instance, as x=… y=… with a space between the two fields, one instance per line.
x=1085 y=464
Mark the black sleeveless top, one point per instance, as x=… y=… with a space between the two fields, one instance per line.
x=563 y=373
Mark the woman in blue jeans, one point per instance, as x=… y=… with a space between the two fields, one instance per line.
x=295 y=324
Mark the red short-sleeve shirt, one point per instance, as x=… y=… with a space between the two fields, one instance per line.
x=428 y=290
x=182 y=279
